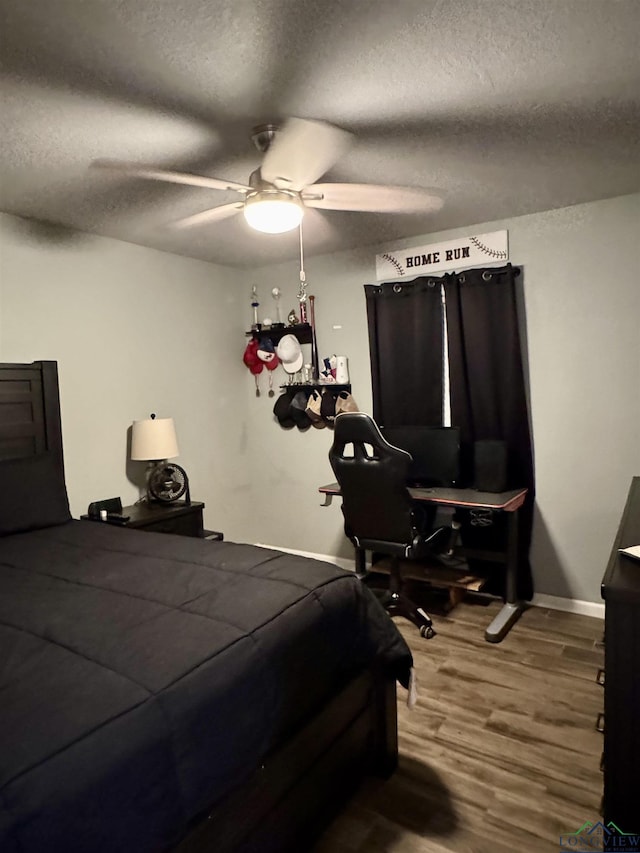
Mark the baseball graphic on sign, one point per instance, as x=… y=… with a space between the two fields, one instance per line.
x=495 y=254
x=395 y=266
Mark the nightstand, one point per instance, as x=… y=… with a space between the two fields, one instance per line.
x=180 y=518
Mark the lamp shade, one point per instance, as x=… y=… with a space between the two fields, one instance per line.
x=154 y=438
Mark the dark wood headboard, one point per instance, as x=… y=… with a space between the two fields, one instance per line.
x=30 y=410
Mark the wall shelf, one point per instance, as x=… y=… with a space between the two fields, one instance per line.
x=302 y=331
x=314 y=386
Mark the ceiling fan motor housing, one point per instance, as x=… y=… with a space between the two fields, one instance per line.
x=285 y=184
x=263 y=135
x=257 y=182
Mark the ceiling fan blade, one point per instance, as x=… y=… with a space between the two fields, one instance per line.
x=214 y=214
x=302 y=152
x=139 y=170
x=371 y=197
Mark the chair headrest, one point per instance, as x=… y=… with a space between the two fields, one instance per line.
x=358 y=426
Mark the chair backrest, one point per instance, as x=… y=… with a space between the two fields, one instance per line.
x=372 y=475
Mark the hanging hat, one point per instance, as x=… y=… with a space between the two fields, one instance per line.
x=328 y=408
x=313 y=409
x=298 y=411
x=267 y=354
x=250 y=357
x=289 y=352
x=345 y=403
x=282 y=410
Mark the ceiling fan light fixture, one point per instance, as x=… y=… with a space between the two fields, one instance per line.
x=273 y=211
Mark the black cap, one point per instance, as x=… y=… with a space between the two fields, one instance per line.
x=298 y=412
x=282 y=410
x=328 y=407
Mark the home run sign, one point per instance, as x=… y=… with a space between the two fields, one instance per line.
x=438 y=257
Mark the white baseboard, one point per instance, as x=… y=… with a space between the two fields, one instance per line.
x=551 y=602
x=342 y=562
x=570 y=605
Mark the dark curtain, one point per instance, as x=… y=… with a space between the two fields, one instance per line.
x=405 y=345
x=488 y=398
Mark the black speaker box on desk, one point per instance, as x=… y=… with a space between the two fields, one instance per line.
x=490 y=465
x=113 y=505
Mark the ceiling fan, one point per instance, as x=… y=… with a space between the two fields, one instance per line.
x=278 y=192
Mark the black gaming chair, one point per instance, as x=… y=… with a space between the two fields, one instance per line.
x=377 y=507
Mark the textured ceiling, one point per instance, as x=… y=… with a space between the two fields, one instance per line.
x=506 y=107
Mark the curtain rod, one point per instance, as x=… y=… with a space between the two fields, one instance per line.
x=432 y=280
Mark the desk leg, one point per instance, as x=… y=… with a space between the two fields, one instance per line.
x=512 y=607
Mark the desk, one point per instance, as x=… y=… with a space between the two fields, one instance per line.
x=508 y=502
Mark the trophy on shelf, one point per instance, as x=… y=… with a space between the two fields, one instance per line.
x=275 y=293
x=255 y=326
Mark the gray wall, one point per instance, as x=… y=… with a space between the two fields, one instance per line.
x=133 y=331
x=582 y=305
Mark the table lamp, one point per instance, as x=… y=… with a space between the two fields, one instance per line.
x=154 y=441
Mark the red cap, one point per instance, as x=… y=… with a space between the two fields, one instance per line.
x=250 y=357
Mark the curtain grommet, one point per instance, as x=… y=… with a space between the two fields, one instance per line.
x=461 y=278
x=486 y=276
x=431 y=283
x=397 y=288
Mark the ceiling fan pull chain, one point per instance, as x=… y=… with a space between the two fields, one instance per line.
x=302 y=275
x=302 y=293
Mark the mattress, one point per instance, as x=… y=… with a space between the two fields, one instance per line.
x=142 y=677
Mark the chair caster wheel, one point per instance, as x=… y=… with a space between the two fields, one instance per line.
x=427 y=632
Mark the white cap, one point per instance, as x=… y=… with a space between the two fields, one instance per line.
x=289 y=352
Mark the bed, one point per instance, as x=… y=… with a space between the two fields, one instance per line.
x=165 y=693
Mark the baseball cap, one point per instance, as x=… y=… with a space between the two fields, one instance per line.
x=328 y=407
x=297 y=410
x=345 y=403
x=282 y=410
x=267 y=354
x=313 y=409
x=250 y=357
x=289 y=352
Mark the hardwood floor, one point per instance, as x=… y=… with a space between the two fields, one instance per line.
x=501 y=752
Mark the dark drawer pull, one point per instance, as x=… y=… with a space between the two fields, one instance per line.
x=600 y=723
x=600 y=677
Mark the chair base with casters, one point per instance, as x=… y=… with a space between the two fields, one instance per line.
x=397 y=604
x=394 y=600
x=379 y=514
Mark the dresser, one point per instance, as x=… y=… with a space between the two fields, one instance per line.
x=621 y=593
